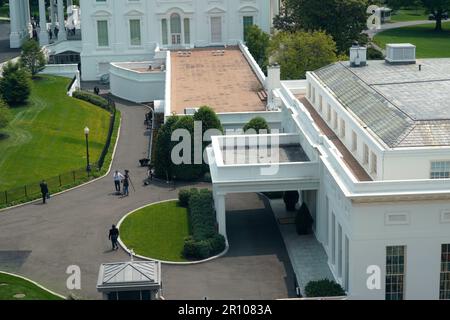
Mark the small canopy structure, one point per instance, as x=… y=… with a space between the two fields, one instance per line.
x=133 y=280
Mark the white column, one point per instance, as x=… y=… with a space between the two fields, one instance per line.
x=52 y=15
x=14 y=37
x=62 y=26
x=28 y=13
x=69 y=3
x=43 y=34
x=219 y=203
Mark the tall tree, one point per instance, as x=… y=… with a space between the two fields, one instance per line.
x=344 y=20
x=437 y=8
x=257 y=42
x=299 y=52
x=5 y=115
x=15 y=84
x=32 y=57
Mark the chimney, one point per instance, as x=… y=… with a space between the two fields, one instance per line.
x=358 y=55
x=273 y=80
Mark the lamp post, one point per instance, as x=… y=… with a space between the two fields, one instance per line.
x=86 y=133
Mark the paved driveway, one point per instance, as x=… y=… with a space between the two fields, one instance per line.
x=257 y=265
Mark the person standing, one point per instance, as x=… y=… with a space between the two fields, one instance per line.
x=44 y=191
x=126 y=183
x=114 y=236
x=118 y=177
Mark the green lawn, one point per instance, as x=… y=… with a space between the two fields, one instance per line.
x=157 y=231
x=11 y=286
x=46 y=138
x=409 y=15
x=430 y=44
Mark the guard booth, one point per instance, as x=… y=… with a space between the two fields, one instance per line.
x=133 y=280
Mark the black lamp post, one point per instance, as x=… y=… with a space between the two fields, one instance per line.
x=86 y=133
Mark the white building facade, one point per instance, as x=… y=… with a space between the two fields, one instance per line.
x=131 y=31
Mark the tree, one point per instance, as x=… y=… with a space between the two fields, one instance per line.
x=299 y=52
x=32 y=57
x=257 y=42
x=344 y=20
x=437 y=8
x=15 y=84
x=163 y=150
x=5 y=115
x=257 y=124
x=323 y=288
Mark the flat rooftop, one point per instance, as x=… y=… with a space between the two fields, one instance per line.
x=225 y=82
x=264 y=155
x=400 y=104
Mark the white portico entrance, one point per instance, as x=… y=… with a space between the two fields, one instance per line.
x=259 y=163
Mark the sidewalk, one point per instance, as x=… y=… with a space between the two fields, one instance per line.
x=307 y=255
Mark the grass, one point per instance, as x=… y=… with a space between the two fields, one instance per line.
x=11 y=286
x=409 y=15
x=430 y=44
x=45 y=137
x=157 y=231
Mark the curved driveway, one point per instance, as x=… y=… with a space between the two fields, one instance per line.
x=41 y=241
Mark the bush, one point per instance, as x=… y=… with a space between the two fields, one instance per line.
x=163 y=144
x=323 y=288
x=374 y=54
x=291 y=199
x=92 y=98
x=303 y=220
x=5 y=115
x=258 y=124
x=15 y=84
x=257 y=42
x=205 y=241
x=184 y=195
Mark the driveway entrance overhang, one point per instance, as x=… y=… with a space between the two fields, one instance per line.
x=259 y=163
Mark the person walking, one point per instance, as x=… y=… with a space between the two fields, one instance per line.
x=126 y=183
x=114 y=236
x=118 y=177
x=44 y=191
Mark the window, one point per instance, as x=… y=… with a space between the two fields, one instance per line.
x=309 y=90
x=339 y=251
x=248 y=21
x=444 y=291
x=216 y=29
x=342 y=129
x=333 y=239
x=328 y=113
x=135 y=32
x=320 y=103
x=314 y=95
x=187 y=31
x=327 y=220
x=395 y=272
x=165 y=40
x=366 y=154
x=335 y=120
x=354 y=141
x=373 y=163
x=175 y=28
x=102 y=33
x=440 y=170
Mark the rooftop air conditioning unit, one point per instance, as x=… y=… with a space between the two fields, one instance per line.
x=190 y=111
x=401 y=53
x=358 y=56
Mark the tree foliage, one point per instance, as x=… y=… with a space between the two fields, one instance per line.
x=258 y=124
x=437 y=8
x=257 y=42
x=15 y=84
x=32 y=57
x=5 y=115
x=344 y=20
x=163 y=149
x=300 y=52
x=323 y=288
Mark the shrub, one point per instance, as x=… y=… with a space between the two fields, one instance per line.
x=257 y=42
x=323 y=288
x=205 y=241
x=303 y=220
x=32 y=57
x=290 y=199
x=5 y=115
x=374 y=54
x=184 y=195
x=209 y=119
x=258 y=124
x=15 y=84
x=92 y=98
x=163 y=160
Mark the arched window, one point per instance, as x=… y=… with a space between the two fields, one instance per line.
x=175 y=28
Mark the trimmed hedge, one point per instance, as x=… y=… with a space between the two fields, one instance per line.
x=204 y=241
x=184 y=195
x=323 y=288
x=92 y=98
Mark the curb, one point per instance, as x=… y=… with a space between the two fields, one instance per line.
x=79 y=186
x=35 y=283
x=125 y=248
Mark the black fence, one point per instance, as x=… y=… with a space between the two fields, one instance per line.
x=63 y=180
